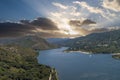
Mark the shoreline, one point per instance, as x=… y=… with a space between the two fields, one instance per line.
x=79 y=52
x=85 y=52
x=115 y=54
x=53 y=74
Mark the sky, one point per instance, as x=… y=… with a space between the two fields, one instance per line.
x=58 y=18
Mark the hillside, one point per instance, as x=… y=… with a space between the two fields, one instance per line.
x=17 y=63
x=107 y=42
x=18 y=59
x=33 y=41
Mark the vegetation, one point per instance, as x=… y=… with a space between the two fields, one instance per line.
x=19 y=63
x=31 y=41
x=116 y=56
x=107 y=42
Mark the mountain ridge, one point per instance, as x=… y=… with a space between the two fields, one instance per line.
x=106 y=42
x=32 y=41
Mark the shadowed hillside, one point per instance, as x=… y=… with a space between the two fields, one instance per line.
x=33 y=41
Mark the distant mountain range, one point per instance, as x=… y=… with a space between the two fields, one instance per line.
x=107 y=42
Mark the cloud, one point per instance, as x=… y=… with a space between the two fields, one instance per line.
x=8 y=29
x=96 y=11
x=67 y=10
x=25 y=27
x=82 y=18
x=59 y=5
x=81 y=10
x=88 y=26
x=75 y=23
x=25 y=21
x=112 y=5
x=44 y=23
x=72 y=20
x=78 y=23
x=91 y=9
x=87 y=22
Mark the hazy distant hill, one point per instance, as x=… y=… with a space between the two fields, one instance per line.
x=107 y=42
x=34 y=42
x=57 y=41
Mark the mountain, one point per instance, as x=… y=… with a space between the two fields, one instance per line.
x=107 y=42
x=33 y=41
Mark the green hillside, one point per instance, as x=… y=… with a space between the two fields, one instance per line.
x=17 y=63
x=33 y=41
x=107 y=42
x=18 y=59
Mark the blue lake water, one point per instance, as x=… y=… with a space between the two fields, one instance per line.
x=79 y=66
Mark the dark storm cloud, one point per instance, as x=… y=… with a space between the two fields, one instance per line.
x=87 y=22
x=75 y=22
x=41 y=23
x=25 y=27
x=25 y=21
x=14 y=29
x=44 y=23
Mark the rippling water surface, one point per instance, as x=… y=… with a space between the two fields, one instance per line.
x=79 y=66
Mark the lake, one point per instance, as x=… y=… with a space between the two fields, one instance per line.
x=79 y=66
